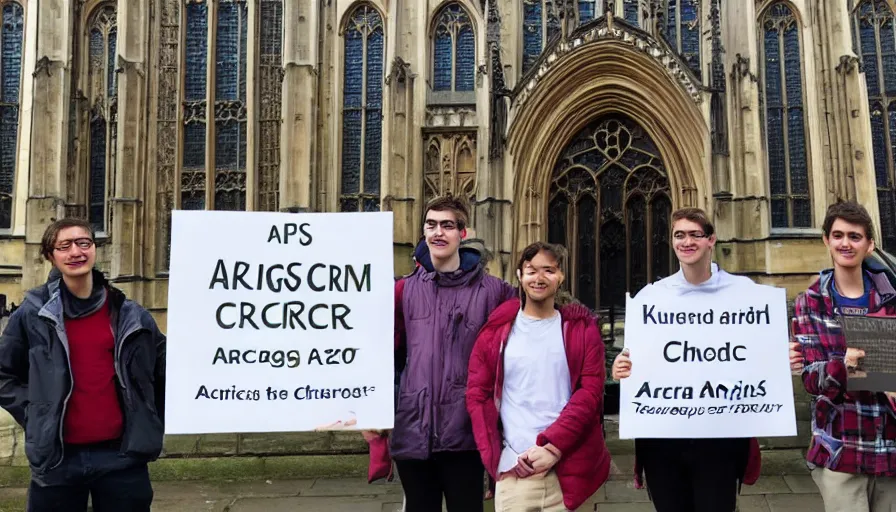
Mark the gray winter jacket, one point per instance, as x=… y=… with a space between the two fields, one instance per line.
x=36 y=382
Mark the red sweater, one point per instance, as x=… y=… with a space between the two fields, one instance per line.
x=93 y=414
x=585 y=462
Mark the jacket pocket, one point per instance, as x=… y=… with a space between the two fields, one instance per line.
x=454 y=430
x=410 y=432
x=41 y=435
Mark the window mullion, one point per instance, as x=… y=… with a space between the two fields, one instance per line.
x=364 y=106
x=785 y=117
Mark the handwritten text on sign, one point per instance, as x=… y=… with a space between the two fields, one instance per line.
x=279 y=322
x=707 y=364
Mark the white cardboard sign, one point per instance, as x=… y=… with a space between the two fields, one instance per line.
x=279 y=322
x=707 y=365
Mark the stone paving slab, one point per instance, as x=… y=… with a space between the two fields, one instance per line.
x=790 y=493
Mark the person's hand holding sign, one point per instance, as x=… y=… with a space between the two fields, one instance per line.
x=851 y=359
x=622 y=366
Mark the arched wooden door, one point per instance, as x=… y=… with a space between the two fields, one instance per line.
x=610 y=206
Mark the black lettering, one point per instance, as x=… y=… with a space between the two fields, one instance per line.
x=331 y=355
x=274 y=234
x=294 y=316
x=666 y=351
x=288 y=230
x=275 y=285
x=234 y=357
x=311 y=284
x=240 y=395
x=315 y=354
x=240 y=269
x=246 y=355
x=220 y=309
x=264 y=317
x=220 y=276
x=335 y=274
x=648 y=314
x=761 y=388
x=707 y=391
x=735 y=352
x=306 y=238
x=277 y=359
x=311 y=322
x=359 y=284
x=219 y=354
x=340 y=311
x=293 y=357
x=203 y=392
x=346 y=393
x=356 y=393
x=645 y=389
x=296 y=281
x=247 y=317
x=348 y=355
x=264 y=357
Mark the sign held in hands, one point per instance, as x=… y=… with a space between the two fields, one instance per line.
x=279 y=322
x=707 y=365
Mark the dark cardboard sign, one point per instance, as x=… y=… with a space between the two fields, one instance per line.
x=877 y=337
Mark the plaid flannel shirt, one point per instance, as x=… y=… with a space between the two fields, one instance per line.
x=852 y=432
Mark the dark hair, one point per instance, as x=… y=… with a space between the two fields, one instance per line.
x=851 y=212
x=695 y=215
x=48 y=241
x=557 y=251
x=455 y=204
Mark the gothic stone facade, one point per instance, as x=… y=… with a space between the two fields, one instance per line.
x=581 y=122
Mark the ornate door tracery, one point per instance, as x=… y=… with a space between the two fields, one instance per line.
x=609 y=204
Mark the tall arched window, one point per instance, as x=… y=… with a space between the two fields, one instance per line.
x=590 y=9
x=454 y=50
x=215 y=117
x=876 y=34
x=362 y=111
x=102 y=95
x=785 y=118
x=225 y=154
x=11 y=47
x=541 y=24
x=681 y=28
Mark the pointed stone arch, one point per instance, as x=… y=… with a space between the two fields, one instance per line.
x=608 y=70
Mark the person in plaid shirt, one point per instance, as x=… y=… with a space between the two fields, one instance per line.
x=852 y=453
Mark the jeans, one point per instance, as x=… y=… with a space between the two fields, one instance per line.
x=458 y=476
x=114 y=482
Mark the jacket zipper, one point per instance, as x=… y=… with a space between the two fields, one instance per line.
x=71 y=388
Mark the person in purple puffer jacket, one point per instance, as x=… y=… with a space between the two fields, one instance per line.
x=439 y=310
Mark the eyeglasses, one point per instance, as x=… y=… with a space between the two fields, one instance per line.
x=447 y=225
x=82 y=243
x=696 y=235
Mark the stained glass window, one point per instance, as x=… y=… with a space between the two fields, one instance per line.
x=609 y=204
x=454 y=50
x=271 y=113
x=223 y=106
x=103 y=98
x=681 y=29
x=630 y=11
x=541 y=24
x=11 y=45
x=229 y=141
x=785 y=124
x=875 y=31
x=362 y=111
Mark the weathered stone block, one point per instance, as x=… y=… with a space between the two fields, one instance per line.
x=285 y=443
x=348 y=442
x=219 y=444
x=181 y=445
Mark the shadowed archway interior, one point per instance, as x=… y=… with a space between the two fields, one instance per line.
x=609 y=204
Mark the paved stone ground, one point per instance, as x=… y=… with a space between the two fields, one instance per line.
x=791 y=493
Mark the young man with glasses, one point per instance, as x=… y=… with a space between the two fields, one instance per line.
x=852 y=453
x=440 y=308
x=693 y=475
x=82 y=370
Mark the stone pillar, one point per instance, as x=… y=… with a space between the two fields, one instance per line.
x=128 y=193
x=301 y=19
x=49 y=143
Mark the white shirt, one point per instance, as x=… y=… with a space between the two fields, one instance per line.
x=536 y=384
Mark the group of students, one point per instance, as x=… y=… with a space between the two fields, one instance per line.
x=494 y=380
x=500 y=390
